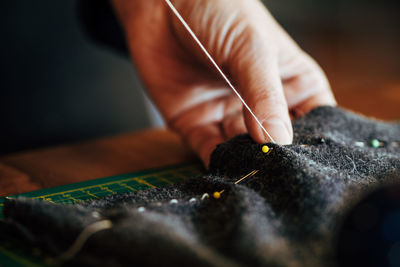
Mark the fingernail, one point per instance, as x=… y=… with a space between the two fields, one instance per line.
x=277 y=129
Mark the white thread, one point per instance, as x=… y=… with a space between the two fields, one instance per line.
x=192 y=200
x=82 y=238
x=216 y=66
x=204 y=196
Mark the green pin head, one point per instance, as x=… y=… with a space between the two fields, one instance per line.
x=375 y=143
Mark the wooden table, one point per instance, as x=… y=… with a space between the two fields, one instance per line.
x=32 y=170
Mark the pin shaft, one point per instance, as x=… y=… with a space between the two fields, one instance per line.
x=218 y=194
x=244 y=177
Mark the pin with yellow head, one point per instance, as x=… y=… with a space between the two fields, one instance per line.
x=217 y=195
x=265 y=149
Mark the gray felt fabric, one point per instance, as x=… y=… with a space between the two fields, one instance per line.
x=288 y=214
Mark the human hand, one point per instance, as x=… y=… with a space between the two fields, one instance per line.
x=274 y=76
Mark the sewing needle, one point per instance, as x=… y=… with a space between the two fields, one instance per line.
x=187 y=27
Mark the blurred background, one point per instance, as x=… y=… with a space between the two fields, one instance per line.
x=58 y=85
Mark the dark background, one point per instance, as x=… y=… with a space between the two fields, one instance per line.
x=57 y=86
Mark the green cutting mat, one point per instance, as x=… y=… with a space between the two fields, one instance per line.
x=10 y=255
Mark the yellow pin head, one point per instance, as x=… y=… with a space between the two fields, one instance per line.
x=217 y=195
x=265 y=149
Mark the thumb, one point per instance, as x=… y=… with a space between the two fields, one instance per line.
x=255 y=69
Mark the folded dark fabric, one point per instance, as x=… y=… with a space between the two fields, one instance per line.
x=287 y=214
